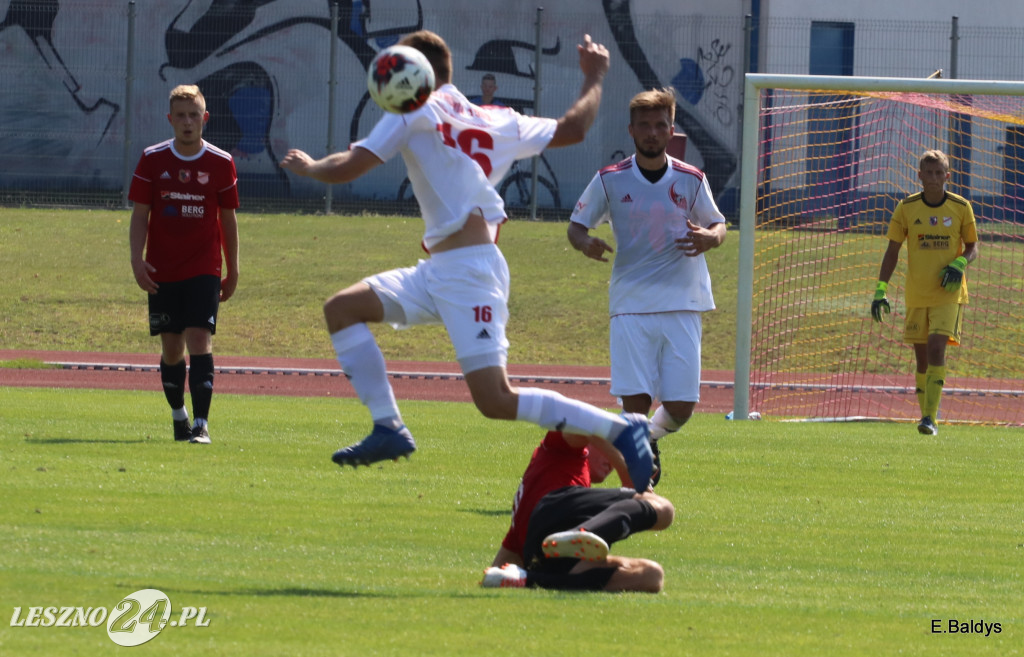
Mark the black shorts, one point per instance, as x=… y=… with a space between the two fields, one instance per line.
x=562 y=509
x=190 y=303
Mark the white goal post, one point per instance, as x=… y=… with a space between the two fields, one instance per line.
x=824 y=160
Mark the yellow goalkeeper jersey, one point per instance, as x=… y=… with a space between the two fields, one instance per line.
x=935 y=235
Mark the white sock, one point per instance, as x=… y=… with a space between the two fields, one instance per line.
x=363 y=363
x=551 y=410
x=179 y=414
x=662 y=424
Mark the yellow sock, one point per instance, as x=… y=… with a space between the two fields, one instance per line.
x=936 y=379
x=921 y=380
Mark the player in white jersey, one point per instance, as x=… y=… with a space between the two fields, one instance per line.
x=663 y=218
x=455 y=152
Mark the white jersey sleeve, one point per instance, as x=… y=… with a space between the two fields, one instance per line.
x=592 y=208
x=703 y=209
x=535 y=134
x=456 y=153
x=387 y=138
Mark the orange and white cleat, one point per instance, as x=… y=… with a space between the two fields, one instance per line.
x=509 y=576
x=575 y=544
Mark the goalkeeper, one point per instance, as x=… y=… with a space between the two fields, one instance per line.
x=942 y=239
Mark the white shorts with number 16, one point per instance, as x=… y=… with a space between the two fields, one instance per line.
x=464 y=289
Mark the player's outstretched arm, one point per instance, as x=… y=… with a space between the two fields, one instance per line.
x=583 y=241
x=335 y=168
x=699 y=239
x=229 y=230
x=890 y=260
x=970 y=251
x=505 y=556
x=953 y=273
x=138 y=231
x=880 y=303
x=573 y=126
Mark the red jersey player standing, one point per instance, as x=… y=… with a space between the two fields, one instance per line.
x=185 y=194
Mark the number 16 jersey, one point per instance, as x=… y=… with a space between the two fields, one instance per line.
x=456 y=153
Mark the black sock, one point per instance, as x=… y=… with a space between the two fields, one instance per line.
x=173 y=379
x=594 y=579
x=200 y=384
x=622 y=519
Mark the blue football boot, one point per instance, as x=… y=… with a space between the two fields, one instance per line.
x=381 y=445
x=635 y=444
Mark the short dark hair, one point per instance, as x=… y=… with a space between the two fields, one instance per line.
x=488 y=76
x=436 y=51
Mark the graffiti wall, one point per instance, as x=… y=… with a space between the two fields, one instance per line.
x=69 y=122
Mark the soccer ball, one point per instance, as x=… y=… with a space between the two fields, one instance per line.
x=400 y=79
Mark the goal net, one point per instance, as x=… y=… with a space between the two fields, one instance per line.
x=825 y=161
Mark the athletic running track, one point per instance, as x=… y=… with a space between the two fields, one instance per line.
x=322 y=377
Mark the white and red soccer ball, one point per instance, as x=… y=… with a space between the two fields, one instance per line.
x=400 y=79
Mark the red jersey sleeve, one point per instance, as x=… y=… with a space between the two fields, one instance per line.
x=227 y=191
x=141 y=188
x=554 y=465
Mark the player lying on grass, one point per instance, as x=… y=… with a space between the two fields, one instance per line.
x=561 y=527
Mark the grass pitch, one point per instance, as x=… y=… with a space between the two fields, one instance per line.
x=810 y=539
x=66 y=285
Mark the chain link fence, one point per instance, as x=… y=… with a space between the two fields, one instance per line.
x=86 y=86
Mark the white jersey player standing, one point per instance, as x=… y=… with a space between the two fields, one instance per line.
x=455 y=153
x=663 y=218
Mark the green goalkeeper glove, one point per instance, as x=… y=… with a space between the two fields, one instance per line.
x=880 y=303
x=953 y=274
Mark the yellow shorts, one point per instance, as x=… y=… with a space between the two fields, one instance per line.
x=944 y=320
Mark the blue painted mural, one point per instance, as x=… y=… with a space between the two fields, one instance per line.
x=263 y=66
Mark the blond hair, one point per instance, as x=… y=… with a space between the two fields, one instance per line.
x=654 y=99
x=934 y=155
x=189 y=92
